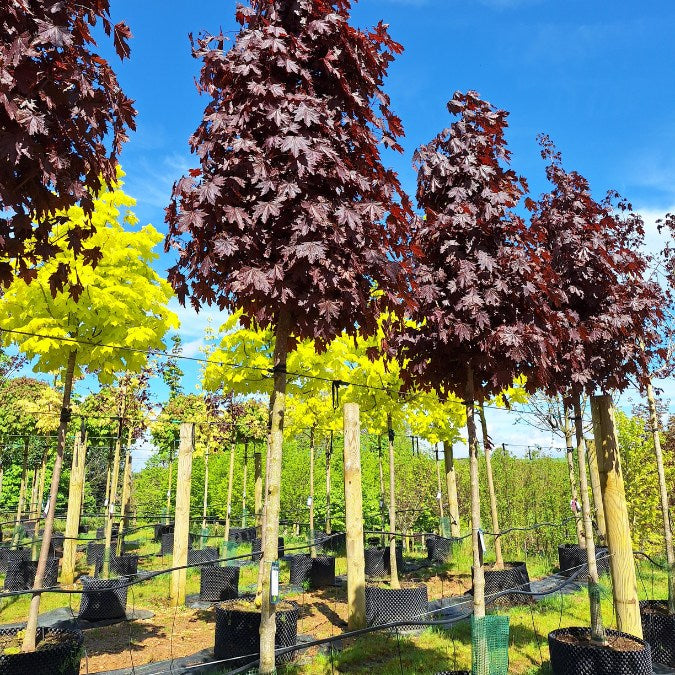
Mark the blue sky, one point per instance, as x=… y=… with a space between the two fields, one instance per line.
x=598 y=77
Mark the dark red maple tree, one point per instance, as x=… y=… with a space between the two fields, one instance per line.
x=607 y=309
x=480 y=322
x=291 y=215
x=63 y=120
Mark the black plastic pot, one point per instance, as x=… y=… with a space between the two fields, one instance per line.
x=167 y=543
x=659 y=630
x=319 y=572
x=572 y=558
x=439 y=549
x=56 y=545
x=57 y=651
x=218 y=583
x=586 y=659
x=256 y=549
x=203 y=556
x=238 y=632
x=94 y=552
x=100 y=532
x=124 y=565
x=514 y=575
x=334 y=543
x=389 y=605
x=8 y=556
x=240 y=535
x=103 y=598
x=21 y=574
x=162 y=528
x=375 y=561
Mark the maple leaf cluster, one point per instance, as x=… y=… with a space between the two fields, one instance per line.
x=63 y=120
x=479 y=286
x=606 y=309
x=291 y=209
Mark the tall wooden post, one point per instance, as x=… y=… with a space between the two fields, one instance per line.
x=230 y=481
x=494 y=513
x=569 y=444
x=312 y=548
x=663 y=493
x=74 y=509
x=114 y=479
x=451 y=482
x=258 y=490
x=439 y=493
x=170 y=485
x=597 y=492
x=182 y=516
x=245 y=486
x=126 y=496
x=356 y=568
x=329 y=457
x=621 y=561
x=22 y=494
x=393 y=567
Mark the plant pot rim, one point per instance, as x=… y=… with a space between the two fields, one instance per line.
x=246 y=605
x=554 y=634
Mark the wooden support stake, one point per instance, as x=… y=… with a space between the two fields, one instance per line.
x=182 y=516
x=230 y=481
x=258 y=491
x=621 y=561
x=114 y=479
x=597 y=492
x=126 y=497
x=356 y=568
x=312 y=548
x=74 y=509
x=451 y=482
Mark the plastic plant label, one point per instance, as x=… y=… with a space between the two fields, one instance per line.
x=481 y=541
x=309 y=501
x=438 y=496
x=274 y=583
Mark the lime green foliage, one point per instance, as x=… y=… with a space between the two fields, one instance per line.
x=641 y=481
x=122 y=301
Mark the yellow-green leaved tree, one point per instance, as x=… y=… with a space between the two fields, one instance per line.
x=94 y=325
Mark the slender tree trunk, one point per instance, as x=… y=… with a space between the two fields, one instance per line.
x=114 y=479
x=597 y=492
x=569 y=443
x=451 y=482
x=382 y=499
x=43 y=476
x=494 y=515
x=597 y=628
x=22 y=494
x=108 y=476
x=31 y=625
x=34 y=510
x=663 y=492
x=168 y=490
x=230 y=481
x=478 y=573
x=270 y=542
x=126 y=494
x=312 y=548
x=392 y=507
x=439 y=492
x=74 y=509
x=258 y=490
x=329 y=455
x=243 y=494
x=205 y=500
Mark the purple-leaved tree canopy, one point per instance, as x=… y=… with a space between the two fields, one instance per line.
x=291 y=210
x=63 y=120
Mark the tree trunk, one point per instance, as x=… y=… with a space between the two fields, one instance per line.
x=312 y=548
x=382 y=499
x=329 y=456
x=74 y=509
x=243 y=494
x=663 y=492
x=487 y=446
x=205 y=500
x=43 y=476
x=126 y=494
x=108 y=476
x=22 y=494
x=230 y=481
x=478 y=574
x=597 y=492
x=621 y=559
x=392 y=507
x=597 y=628
x=439 y=492
x=33 y=612
x=258 y=491
x=567 y=430
x=34 y=510
x=114 y=479
x=356 y=569
x=451 y=482
x=270 y=541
